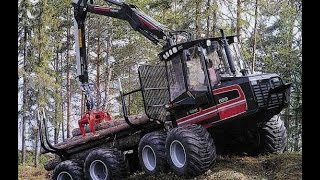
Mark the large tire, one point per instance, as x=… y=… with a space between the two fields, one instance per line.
x=273 y=136
x=190 y=150
x=68 y=170
x=105 y=164
x=151 y=152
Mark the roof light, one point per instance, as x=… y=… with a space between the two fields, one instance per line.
x=164 y=56
x=174 y=49
x=208 y=42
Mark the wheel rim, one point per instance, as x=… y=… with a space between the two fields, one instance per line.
x=98 y=170
x=149 y=158
x=64 y=176
x=177 y=154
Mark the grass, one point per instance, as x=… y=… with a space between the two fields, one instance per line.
x=32 y=173
x=277 y=167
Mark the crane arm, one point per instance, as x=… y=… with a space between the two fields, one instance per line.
x=147 y=26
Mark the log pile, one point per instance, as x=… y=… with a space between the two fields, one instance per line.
x=103 y=130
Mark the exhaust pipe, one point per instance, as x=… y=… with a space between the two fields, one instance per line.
x=227 y=50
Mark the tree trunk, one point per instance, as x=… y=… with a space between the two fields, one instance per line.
x=23 y=134
x=82 y=103
x=56 y=110
x=254 y=36
x=208 y=18
x=198 y=19
x=108 y=70
x=214 y=21
x=68 y=81
x=238 y=18
x=286 y=124
x=62 y=99
x=297 y=134
x=24 y=94
x=98 y=68
x=37 y=149
x=62 y=124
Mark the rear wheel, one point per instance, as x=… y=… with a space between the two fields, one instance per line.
x=68 y=170
x=105 y=164
x=151 y=153
x=190 y=150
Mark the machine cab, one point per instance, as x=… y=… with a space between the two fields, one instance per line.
x=196 y=68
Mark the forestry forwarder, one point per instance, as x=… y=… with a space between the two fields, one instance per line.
x=202 y=96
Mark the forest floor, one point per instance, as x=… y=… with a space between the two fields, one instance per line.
x=277 y=167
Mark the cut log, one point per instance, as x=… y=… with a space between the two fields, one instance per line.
x=101 y=135
x=128 y=141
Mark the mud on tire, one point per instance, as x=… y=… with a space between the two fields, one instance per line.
x=151 y=152
x=108 y=163
x=68 y=170
x=190 y=150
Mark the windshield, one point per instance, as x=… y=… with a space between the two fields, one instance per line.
x=217 y=57
x=236 y=55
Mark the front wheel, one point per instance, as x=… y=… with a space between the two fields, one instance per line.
x=190 y=150
x=273 y=136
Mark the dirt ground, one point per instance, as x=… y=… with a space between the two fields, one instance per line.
x=277 y=167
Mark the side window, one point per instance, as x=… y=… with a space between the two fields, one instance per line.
x=214 y=66
x=212 y=73
x=195 y=73
x=177 y=86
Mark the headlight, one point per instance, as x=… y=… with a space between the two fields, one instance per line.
x=275 y=79
x=254 y=82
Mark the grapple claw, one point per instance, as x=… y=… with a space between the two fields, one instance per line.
x=92 y=118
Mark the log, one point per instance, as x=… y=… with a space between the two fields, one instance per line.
x=121 y=144
x=101 y=135
x=98 y=127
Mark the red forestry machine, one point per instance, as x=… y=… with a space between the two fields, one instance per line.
x=202 y=100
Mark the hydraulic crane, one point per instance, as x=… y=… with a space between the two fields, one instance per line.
x=148 y=27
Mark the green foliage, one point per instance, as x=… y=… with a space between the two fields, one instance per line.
x=30 y=158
